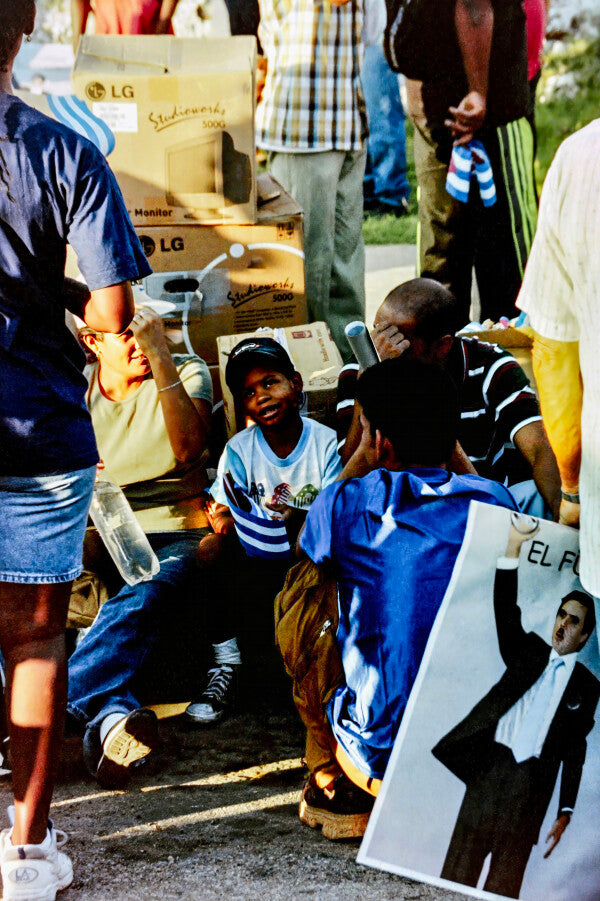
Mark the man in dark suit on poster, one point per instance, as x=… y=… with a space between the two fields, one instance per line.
x=509 y=748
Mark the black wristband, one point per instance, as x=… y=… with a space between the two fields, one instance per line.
x=572 y=498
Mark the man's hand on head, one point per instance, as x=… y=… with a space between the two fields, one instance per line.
x=389 y=341
x=467 y=117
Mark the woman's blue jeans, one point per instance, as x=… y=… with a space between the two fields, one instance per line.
x=105 y=667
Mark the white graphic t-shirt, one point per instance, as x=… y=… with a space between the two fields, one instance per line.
x=295 y=480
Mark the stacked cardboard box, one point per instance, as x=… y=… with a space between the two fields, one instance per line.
x=221 y=280
x=181 y=112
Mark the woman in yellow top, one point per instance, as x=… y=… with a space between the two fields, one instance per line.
x=151 y=416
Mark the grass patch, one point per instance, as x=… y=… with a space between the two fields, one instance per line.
x=388 y=229
x=555 y=121
x=559 y=118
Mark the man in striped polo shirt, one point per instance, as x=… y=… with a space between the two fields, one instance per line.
x=501 y=425
x=311 y=120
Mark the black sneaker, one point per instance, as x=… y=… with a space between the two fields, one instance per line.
x=342 y=809
x=217 y=698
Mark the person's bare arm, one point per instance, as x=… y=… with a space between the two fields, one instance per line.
x=556 y=370
x=353 y=437
x=167 y=11
x=459 y=463
x=215 y=544
x=187 y=419
x=104 y=310
x=474 y=23
x=367 y=454
x=80 y=10
x=533 y=443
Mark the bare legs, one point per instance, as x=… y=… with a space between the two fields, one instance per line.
x=32 y=624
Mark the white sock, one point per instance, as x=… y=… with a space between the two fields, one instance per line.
x=227 y=652
x=108 y=722
x=46 y=844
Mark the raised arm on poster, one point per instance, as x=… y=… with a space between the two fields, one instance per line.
x=509 y=748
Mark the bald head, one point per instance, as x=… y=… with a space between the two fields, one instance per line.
x=431 y=308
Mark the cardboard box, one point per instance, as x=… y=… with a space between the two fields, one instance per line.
x=222 y=280
x=182 y=114
x=215 y=378
x=316 y=358
x=518 y=341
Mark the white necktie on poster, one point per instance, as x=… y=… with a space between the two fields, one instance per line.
x=525 y=742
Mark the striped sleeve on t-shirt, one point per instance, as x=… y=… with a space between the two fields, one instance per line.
x=496 y=401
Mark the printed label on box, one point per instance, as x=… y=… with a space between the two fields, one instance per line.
x=120 y=117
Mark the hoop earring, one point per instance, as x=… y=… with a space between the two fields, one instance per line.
x=302 y=399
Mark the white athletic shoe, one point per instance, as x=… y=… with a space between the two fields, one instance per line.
x=34 y=872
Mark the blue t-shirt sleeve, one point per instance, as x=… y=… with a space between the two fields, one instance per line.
x=99 y=228
x=315 y=539
x=230 y=462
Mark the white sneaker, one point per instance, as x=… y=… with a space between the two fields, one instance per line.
x=34 y=872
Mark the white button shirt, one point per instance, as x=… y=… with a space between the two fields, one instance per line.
x=510 y=724
x=561 y=293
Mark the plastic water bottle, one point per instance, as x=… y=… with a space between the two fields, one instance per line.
x=122 y=534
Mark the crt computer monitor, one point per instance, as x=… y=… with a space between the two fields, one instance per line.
x=194 y=173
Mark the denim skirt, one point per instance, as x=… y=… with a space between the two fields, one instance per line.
x=42 y=524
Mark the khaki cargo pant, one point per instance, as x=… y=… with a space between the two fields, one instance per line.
x=306 y=619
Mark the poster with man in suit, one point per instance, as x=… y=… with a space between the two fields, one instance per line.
x=500 y=738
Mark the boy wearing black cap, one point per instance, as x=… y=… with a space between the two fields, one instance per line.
x=282 y=462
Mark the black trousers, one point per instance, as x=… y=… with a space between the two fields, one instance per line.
x=455 y=237
x=495 y=818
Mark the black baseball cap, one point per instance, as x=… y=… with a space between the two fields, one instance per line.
x=253 y=352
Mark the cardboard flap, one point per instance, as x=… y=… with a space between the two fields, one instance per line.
x=504 y=337
x=163 y=54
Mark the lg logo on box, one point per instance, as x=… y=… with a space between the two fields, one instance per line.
x=164 y=245
x=96 y=91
